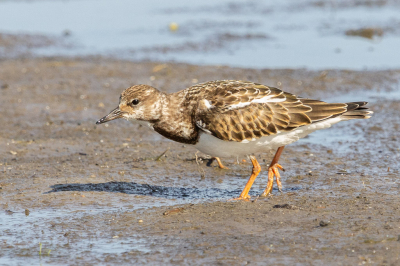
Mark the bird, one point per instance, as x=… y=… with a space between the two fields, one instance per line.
x=230 y=118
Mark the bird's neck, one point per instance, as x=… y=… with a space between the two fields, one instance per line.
x=176 y=121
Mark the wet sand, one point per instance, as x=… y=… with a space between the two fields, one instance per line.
x=103 y=195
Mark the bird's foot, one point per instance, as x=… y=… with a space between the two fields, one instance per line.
x=220 y=163
x=223 y=167
x=273 y=171
x=244 y=198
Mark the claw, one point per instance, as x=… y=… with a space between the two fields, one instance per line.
x=279 y=166
x=273 y=171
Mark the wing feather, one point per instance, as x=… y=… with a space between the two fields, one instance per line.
x=243 y=111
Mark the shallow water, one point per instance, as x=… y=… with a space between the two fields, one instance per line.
x=41 y=226
x=371 y=96
x=278 y=34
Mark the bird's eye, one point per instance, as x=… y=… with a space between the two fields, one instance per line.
x=135 y=102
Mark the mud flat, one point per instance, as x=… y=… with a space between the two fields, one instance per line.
x=103 y=195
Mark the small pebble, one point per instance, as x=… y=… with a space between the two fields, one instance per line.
x=323 y=223
x=140 y=221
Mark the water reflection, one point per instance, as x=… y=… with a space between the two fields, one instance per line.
x=279 y=34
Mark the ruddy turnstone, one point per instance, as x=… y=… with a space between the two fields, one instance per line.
x=233 y=118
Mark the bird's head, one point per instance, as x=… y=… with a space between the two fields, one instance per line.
x=137 y=103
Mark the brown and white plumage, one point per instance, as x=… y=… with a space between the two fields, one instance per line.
x=232 y=118
x=246 y=111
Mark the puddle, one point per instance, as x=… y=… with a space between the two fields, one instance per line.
x=370 y=96
x=22 y=235
x=179 y=195
x=148 y=190
x=244 y=34
x=66 y=233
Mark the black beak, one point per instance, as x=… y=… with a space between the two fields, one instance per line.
x=114 y=114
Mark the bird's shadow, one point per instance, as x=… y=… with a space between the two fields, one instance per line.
x=155 y=191
x=147 y=190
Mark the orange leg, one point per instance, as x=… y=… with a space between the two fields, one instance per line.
x=220 y=163
x=273 y=169
x=256 y=170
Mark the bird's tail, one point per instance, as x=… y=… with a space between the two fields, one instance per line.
x=357 y=110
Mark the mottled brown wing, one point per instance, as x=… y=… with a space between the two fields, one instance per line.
x=321 y=110
x=253 y=111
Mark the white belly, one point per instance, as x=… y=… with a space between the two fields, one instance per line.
x=213 y=146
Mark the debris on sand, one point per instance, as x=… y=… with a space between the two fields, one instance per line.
x=286 y=206
x=368 y=33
